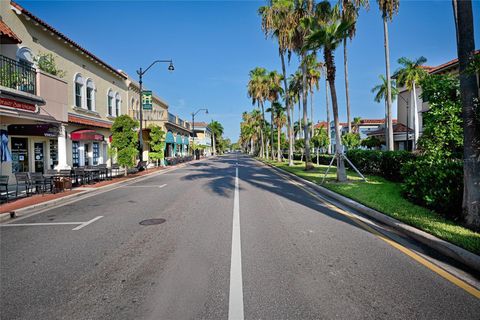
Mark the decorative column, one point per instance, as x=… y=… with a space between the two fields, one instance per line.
x=62 y=148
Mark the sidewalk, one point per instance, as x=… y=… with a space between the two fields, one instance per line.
x=39 y=199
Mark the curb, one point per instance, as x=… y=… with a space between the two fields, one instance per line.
x=54 y=202
x=446 y=248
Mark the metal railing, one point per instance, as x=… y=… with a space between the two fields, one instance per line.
x=172 y=118
x=17 y=75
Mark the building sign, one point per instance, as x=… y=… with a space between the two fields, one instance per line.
x=147 y=100
x=39 y=130
x=10 y=103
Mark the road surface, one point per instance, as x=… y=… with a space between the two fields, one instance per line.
x=238 y=242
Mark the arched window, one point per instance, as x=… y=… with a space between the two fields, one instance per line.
x=117 y=104
x=90 y=95
x=110 y=102
x=79 y=90
x=25 y=56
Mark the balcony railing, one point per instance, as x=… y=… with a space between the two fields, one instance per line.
x=172 y=118
x=17 y=75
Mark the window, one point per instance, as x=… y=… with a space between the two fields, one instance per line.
x=110 y=103
x=53 y=153
x=117 y=105
x=96 y=153
x=78 y=91
x=75 y=154
x=90 y=95
x=25 y=56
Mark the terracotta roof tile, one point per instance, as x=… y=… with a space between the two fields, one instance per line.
x=88 y=122
x=7 y=36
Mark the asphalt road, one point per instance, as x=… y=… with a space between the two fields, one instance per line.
x=288 y=256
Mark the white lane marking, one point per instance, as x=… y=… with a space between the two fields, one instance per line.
x=86 y=223
x=38 y=224
x=163 y=185
x=235 y=305
x=146 y=186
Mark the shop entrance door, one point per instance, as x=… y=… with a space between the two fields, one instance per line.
x=19 y=155
x=39 y=156
x=85 y=154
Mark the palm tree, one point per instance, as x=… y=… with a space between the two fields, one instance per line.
x=278 y=20
x=388 y=9
x=350 y=9
x=380 y=91
x=274 y=91
x=409 y=76
x=356 y=124
x=279 y=120
x=258 y=90
x=471 y=126
x=328 y=31
x=329 y=132
x=217 y=131
x=295 y=90
x=314 y=71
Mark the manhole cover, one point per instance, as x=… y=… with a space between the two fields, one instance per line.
x=151 y=222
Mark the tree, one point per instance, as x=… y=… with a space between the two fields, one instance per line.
x=217 y=131
x=314 y=71
x=409 y=76
x=357 y=121
x=274 y=91
x=351 y=140
x=350 y=10
x=320 y=140
x=125 y=140
x=157 y=144
x=295 y=91
x=328 y=31
x=278 y=20
x=371 y=143
x=388 y=8
x=470 y=111
x=300 y=146
x=258 y=91
x=279 y=120
x=380 y=91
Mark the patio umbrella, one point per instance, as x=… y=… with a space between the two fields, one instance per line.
x=5 y=155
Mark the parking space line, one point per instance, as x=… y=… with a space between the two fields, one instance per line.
x=36 y=224
x=87 y=223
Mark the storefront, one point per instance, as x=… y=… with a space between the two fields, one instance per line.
x=169 y=145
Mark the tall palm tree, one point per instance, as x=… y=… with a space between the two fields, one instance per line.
x=356 y=124
x=278 y=20
x=409 y=76
x=350 y=10
x=388 y=9
x=274 y=80
x=295 y=91
x=314 y=71
x=258 y=90
x=328 y=31
x=279 y=119
x=471 y=126
x=217 y=131
x=329 y=132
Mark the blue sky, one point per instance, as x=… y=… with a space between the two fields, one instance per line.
x=214 y=44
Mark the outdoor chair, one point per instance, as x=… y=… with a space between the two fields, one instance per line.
x=103 y=171
x=38 y=182
x=4 y=185
x=79 y=174
x=23 y=179
x=141 y=165
x=115 y=167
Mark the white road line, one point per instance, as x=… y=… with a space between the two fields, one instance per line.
x=163 y=185
x=147 y=186
x=235 y=305
x=38 y=224
x=86 y=223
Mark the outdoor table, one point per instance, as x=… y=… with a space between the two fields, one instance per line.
x=93 y=174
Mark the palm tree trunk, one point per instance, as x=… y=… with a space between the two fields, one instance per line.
x=214 y=145
x=415 y=116
x=305 y=111
x=271 y=130
x=287 y=105
x=311 y=113
x=345 y=67
x=262 y=150
x=279 y=158
x=329 y=133
x=299 y=119
x=471 y=126
x=389 y=86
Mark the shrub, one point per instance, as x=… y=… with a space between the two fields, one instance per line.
x=436 y=184
x=351 y=140
x=366 y=161
x=392 y=163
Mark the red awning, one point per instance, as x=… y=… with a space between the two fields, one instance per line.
x=81 y=135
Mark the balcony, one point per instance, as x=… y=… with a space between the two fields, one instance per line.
x=172 y=118
x=17 y=75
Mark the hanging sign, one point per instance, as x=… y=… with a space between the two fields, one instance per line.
x=147 y=100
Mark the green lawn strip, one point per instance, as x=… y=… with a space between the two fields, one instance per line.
x=385 y=196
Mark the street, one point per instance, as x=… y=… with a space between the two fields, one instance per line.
x=268 y=251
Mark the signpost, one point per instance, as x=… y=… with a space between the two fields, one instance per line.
x=147 y=100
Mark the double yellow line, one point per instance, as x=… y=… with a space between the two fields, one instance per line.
x=441 y=272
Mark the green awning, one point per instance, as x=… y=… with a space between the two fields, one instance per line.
x=169 y=138
x=179 y=139
x=186 y=141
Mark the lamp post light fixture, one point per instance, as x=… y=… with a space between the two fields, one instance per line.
x=140 y=73
x=193 y=121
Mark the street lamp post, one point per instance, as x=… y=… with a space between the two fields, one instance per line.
x=140 y=73
x=408 y=134
x=193 y=122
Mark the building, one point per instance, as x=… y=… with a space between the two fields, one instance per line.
x=203 y=137
x=405 y=106
x=96 y=93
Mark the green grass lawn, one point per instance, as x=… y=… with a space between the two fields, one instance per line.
x=385 y=196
